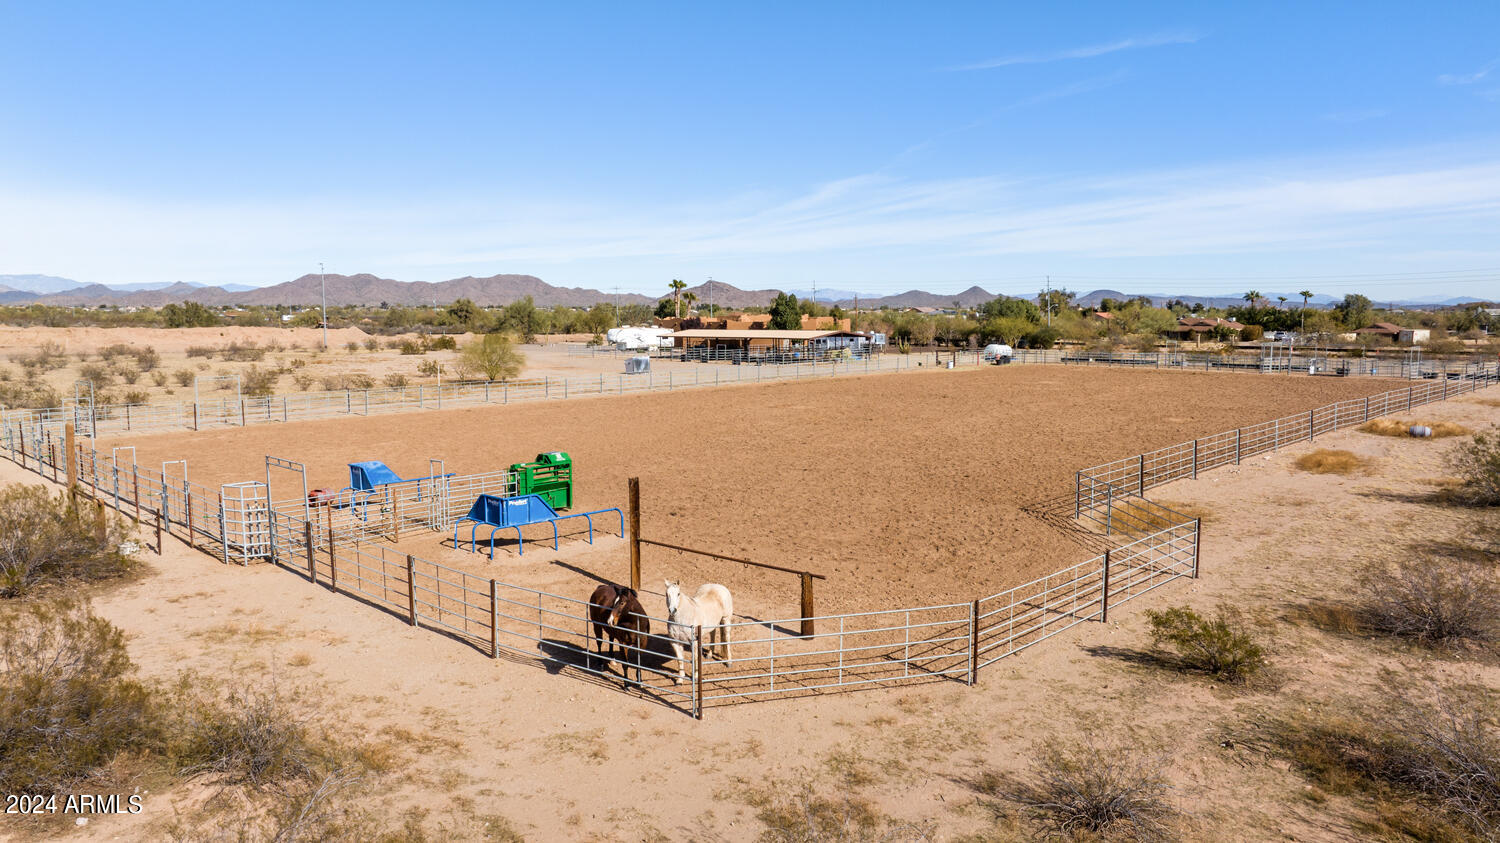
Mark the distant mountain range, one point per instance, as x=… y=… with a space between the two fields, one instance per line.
x=365 y=289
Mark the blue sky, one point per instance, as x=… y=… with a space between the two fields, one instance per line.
x=875 y=147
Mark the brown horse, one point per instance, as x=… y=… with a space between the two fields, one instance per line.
x=616 y=611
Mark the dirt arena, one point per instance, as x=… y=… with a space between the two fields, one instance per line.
x=903 y=490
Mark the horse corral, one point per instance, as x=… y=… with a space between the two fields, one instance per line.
x=543 y=611
x=902 y=490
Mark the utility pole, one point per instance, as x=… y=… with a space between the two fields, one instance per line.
x=1049 y=301
x=710 y=297
x=323 y=282
x=617 y=305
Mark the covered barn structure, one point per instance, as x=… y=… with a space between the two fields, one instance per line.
x=750 y=344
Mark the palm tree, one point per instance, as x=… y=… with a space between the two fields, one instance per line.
x=688 y=299
x=1253 y=296
x=1282 y=299
x=677 y=288
x=1305 y=294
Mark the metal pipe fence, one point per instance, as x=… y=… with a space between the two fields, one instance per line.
x=227 y=411
x=1099 y=489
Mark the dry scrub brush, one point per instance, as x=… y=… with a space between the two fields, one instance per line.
x=1088 y=789
x=1327 y=461
x=1397 y=427
x=1220 y=646
x=1435 y=601
x=1435 y=749
x=67 y=704
x=1477 y=464
x=46 y=541
x=71 y=713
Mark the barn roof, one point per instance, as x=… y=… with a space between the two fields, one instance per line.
x=710 y=333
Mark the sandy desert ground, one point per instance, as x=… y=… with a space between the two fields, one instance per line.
x=559 y=759
x=904 y=490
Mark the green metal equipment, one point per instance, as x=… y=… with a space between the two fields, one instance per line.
x=550 y=477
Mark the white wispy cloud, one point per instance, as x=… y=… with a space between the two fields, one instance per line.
x=1330 y=211
x=1468 y=78
x=1161 y=39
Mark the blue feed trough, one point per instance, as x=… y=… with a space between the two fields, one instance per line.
x=366 y=479
x=500 y=513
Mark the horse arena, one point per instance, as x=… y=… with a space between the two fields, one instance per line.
x=924 y=490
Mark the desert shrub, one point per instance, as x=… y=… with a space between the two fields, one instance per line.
x=146 y=358
x=806 y=816
x=159 y=378
x=1433 y=601
x=394 y=380
x=372 y=344
x=297 y=362
x=1086 y=789
x=1439 y=749
x=304 y=381
x=257 y=735
x=30 y=394
x=1220 y=646
x=256 y=382
x=110 y=352
x=395 y=344
x=1477 y=464
x=443 y=343
x=67 y=704
x=1398 y=427
x=244 y=352
x=128 y=374
x=95 y=374
x=347 y=381
x=351 y=347
x=136 y=396
x=201 y=351
x=494 y=356
x=429 y=368
x=48 y=356
x=412 y=347
x=44 y=540
x=184 y=377
x=1327 y=461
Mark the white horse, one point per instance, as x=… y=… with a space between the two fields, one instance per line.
x=711 y=608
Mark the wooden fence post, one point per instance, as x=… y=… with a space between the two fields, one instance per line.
x=494 y=620
x=974 y=643
x=307 y=540
x=411 y=588
x=635 y=533
x=1104 y=597
x=1197 y=543
x=158 y=532
x=1195 y=459
x=99 y=526
x=1310 y=425
x=1367 y=408
x=1408 y=398
x=1142 y=475
x=807 y=605
x=1237 y=432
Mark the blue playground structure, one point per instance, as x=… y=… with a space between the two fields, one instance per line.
x=367 y=480
x=514 y=513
